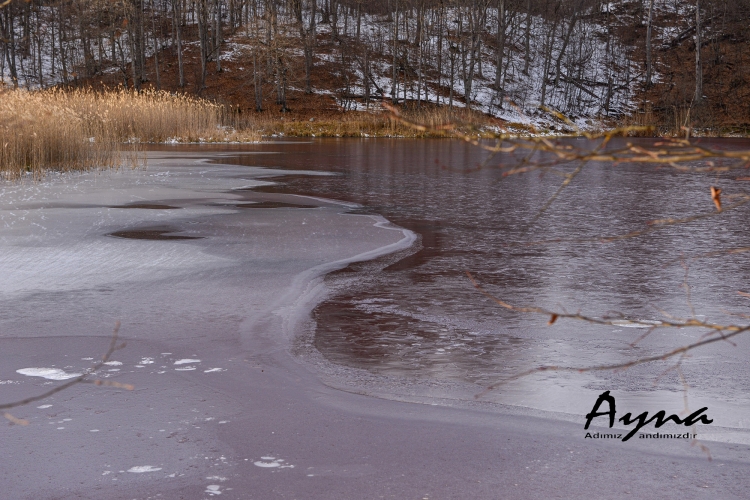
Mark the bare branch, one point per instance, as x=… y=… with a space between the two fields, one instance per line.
x=113 y=346
x=723 y=333
x=653 y=226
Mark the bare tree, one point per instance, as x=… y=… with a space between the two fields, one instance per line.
x=177 y=28
x=698 y=61
x=649 y=26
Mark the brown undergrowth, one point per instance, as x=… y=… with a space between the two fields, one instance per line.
x=376 y=123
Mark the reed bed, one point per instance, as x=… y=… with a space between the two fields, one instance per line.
x=83 y=129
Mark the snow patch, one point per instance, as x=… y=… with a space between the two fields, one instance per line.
x=213 y=489
x=641 y=323
x=48 y=373
x=139 y=469
x=186 y=361
x=272 y=462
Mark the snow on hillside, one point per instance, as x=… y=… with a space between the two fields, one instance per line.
x=595 y=82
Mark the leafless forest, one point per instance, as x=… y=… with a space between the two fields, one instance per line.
x=594 y=61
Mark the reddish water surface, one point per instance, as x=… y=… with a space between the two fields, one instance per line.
x=417 y=313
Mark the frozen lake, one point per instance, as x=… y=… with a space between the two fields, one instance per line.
x=267 y=292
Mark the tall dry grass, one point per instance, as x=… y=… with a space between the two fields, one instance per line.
x=81 y=129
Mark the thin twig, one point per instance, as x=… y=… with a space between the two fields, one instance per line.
x=113 y=346
x=725 y=332
x=653 y=226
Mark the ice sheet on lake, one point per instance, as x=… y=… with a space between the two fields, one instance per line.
x=48 y=373
x=139 y=469
x=186 y=361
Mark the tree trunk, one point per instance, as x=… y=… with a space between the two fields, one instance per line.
x=9 y=40
x=500 y=46
x=698 y=62
x=203 y=39
x=257 y=82
x=394 y=90
x=367 y=78
x=565 y=44
x=307 y=35
x=141 y=45
x=527 y=38
x=156 y=45
x=177 y=20
x=547 y=60
x=217 y=34
x=649 y=67
x=420 y=22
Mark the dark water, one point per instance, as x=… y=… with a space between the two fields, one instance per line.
x=420 y=315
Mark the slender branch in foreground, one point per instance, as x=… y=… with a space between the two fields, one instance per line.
x=719 y=333
x=82 y=379
x=654 y=225
x=717 y=253
x=568 y=179
x=668 y=152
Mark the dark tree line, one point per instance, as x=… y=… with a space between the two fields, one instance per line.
x=582 y=57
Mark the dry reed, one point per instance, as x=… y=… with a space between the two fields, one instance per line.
x=81 y=129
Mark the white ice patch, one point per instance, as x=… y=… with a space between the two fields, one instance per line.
x=113 y=363
x=213 y=489
x=44 y=406
x=48 y=373
x=7 y=382
x=271 y=462
x=186 y=361
x=260 y=463
x=212 y=370
x=641 y=323
x=138 y=469
x=147 y=361
x=186 y=369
